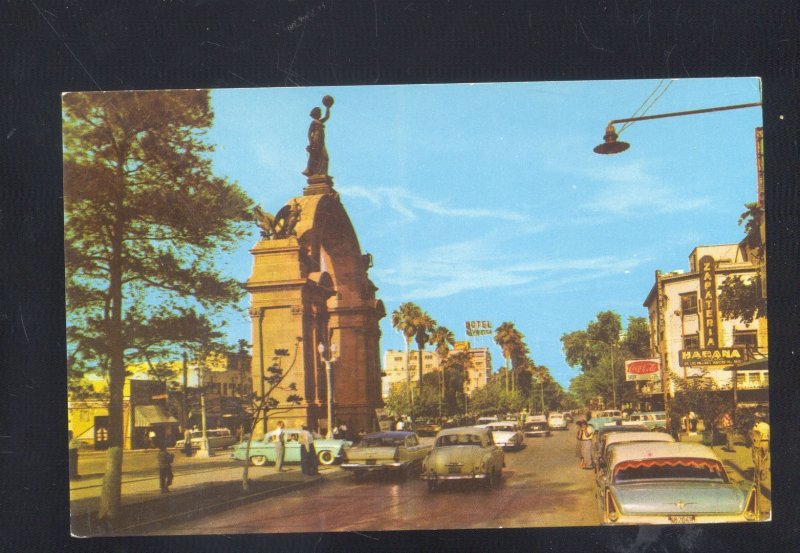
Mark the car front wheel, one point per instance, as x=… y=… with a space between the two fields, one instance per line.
x=326 y=457
x=258 y=460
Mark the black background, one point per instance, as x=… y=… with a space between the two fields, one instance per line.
x=47 y=48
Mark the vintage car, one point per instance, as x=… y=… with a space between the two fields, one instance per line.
x=655 y=420
x=386 y=451
x=557 y=421
x=536 y=425
x=613 y=439
x=263 y=451
x=218 y=438
x=609 y=416
x=464 y=453
x=600 y=436
x=670 y=483
x=427 y=427
x=506 y=434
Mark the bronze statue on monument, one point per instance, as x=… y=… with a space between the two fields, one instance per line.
x=317 y=153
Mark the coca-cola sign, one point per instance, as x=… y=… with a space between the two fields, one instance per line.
x=642 y=369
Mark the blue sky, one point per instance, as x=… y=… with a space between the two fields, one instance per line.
x=486 y=201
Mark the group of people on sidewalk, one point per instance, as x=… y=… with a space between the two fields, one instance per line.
x=308 y=454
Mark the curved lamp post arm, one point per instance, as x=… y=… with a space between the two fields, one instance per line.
x=611 y=145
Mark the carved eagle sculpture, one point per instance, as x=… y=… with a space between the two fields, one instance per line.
x=266 y=222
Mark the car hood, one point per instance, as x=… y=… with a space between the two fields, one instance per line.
x=680 y=497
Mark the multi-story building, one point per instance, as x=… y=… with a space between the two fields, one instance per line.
x=394 y=366
x=691 y=337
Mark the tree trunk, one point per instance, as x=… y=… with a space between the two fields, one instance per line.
x=111 y=494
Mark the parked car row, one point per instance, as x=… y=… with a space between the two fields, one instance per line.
x=645 y=477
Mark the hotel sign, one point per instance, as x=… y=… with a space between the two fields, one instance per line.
x=703 y=357
x=478 y=328
x=643 y=369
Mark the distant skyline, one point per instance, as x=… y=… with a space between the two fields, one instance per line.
x=486 y=202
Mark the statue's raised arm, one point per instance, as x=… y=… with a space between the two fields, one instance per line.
x=317 y=153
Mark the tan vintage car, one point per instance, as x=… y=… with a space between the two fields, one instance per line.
x=464 y=453
x=386 y=451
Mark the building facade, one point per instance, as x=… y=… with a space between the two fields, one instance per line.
x=691 y=337
x=394 y=366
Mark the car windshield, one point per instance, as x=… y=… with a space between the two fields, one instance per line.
x=681 y=468
x=458 y=439
x=382 y=441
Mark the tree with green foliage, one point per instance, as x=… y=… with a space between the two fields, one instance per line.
x=600 y=354
x=743 y=298
x=423 y=324
x=510 y=341
x=403 y=321
x=145 y=221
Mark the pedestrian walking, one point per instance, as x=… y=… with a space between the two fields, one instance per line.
x=585 y=437
x=165 y=459
x=187 y=442
x=307 y=452
x=280 y=440
x=692 y=422
x=73 y=456
x=727 y=426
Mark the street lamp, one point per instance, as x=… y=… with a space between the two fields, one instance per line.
x=328 y=360
x=611 y=145
x=205 y=449
x=613 y=371
x=540 y=381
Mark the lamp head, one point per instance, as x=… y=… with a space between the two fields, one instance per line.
x=610 y=144
x=321 y=348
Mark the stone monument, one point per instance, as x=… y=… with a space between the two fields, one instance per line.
x=310 y=285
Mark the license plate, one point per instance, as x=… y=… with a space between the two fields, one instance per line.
x=681 y=519
x=453 y=470
x=371 y=461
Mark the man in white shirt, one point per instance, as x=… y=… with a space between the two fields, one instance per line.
x=280 y=438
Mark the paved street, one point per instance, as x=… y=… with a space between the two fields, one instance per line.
x=543 y=486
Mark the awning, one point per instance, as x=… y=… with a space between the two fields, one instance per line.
x=149 y=415
x=752 y=365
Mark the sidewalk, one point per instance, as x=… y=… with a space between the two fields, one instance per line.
x=200 y=486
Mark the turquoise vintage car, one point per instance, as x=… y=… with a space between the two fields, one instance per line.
x=329 y=451
x=670 y=483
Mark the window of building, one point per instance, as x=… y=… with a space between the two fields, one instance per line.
x=740 y=378
x=412 y=366
x=428 y=356
x=428 y=365
x=691 y=341
x=689 y=303
x=398 y=358
x=745 y=338
x=765 y=378
x=754 y=377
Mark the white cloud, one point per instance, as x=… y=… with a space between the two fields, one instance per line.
x=478 y=264
x=408 y=205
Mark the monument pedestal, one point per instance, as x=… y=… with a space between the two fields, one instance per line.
x=311 y=287
x=318 y=184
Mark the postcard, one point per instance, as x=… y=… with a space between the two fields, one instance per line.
x=416 y=307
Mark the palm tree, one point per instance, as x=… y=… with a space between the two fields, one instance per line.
x=423 y=324
x=441 y=337
x=509 y=339
x=402 y=319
